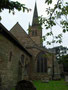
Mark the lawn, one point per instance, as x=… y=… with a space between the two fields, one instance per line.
x=52 y=85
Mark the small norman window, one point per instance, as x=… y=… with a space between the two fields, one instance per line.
x=10 y=56
x=22 y=59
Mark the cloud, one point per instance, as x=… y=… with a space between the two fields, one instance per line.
x=9 y=20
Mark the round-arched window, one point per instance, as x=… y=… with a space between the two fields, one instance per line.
x=10 y=55
x=22 y=59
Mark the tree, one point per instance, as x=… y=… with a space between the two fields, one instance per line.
x=64 y=61
x=60 y=51
x=60 y=11
x=11 y=5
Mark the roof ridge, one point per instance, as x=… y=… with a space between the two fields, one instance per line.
x=14 y=38
x=25 y=32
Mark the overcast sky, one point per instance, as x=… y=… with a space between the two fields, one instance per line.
x=9 y=20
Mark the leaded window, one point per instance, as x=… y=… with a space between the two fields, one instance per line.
x=41 y=62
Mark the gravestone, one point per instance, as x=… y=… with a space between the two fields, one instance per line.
x=66 y=77
x=25 y=85
x=45 y=80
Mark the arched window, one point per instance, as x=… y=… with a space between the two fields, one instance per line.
x=22 y=59
x=41 y=62
x=10 y=56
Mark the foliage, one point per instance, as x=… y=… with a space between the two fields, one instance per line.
x=61 y=56
x=60 y=11
x=52 y=85
x=11 y=5
x=60 y=51
x=64 y=61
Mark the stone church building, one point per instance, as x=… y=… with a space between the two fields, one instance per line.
x=22 y=55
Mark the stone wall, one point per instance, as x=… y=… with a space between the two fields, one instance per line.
x=21 y=35
x=33 y=48
x=9 y=63
x=38 y=37
x=38 y=76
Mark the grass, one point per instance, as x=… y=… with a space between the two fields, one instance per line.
x=52 y=85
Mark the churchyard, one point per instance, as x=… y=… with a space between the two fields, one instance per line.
x=51 y=85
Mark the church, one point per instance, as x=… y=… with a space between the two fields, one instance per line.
x=23 y=57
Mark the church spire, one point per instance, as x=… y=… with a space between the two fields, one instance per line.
x=35 y=16
x=35 y=29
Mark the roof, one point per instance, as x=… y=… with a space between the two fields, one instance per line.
x=12 y=38
x=22 y=36
x=19 y=33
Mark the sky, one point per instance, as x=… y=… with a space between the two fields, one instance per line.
x=9 y=20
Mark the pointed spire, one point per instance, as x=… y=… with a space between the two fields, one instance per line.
x=35 y=11
x=35 y=16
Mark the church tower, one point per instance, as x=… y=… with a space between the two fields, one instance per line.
x=35 y=31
